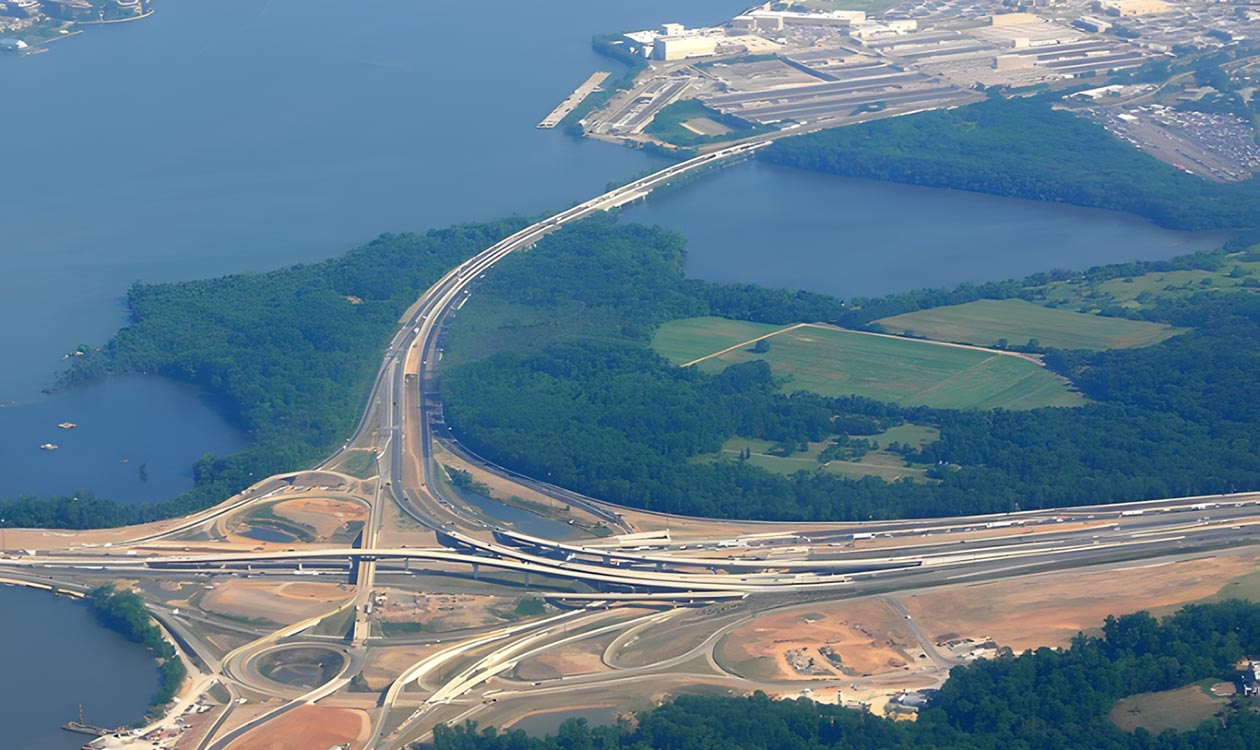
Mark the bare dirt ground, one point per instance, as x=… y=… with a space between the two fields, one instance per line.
x=225 y=642
x=50 y=539
x=313 y=727
x=326 y=515
x=574 y=659
x=198 y=725
x=244 y=713
x=1047 y=610
x=397 y=529
x=443 y=612
x=384 y=663
x=867 y=638
x=283 y=603
x=671 y=637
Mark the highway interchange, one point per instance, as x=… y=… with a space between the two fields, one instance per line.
x=650 y=573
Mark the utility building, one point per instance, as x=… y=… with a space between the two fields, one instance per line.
x=682 y=47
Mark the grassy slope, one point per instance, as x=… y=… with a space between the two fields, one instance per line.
x=905 y=371
x=681 y=341
x=985 y=321
x=1139 y=291
x=1181 y=709
x=883 y=464
x=667 y=125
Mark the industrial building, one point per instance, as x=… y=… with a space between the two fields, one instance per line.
x=682 y=47
x=1132 y=7
x=1251 y=679
x=1012 y=19
x=1091 y=24
x=67 y=9
x=20 y=8
x=796 y=18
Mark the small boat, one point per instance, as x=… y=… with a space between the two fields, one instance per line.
x=49 y=447
x=67 y=425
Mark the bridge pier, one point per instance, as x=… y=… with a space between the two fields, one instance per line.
x=527 y=579
x=476 y=569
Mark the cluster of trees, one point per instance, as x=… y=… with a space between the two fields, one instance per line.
x=861 y=312
x=552 y=375
x=582 y=399
x=125 y=612
x=1042 y=700
x=1022 y=147
x=291 y=353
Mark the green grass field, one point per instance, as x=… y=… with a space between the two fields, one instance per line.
x=493 y=326
x=835 y=362
x=986 y=321
x=1236 y=274
x=1244 y=587
x=681 y=341
x=881 y=463
x=1181 y=709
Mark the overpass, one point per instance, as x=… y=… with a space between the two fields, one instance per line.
x=618 y=575
x=597 y=576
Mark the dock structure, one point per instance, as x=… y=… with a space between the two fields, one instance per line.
x=576 y=98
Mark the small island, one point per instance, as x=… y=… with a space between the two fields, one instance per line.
x=26 y=26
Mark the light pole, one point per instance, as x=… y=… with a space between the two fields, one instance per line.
x=3 y=544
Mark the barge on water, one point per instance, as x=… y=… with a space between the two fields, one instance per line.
x=83 y=727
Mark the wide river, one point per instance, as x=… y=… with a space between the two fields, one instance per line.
x=242 y=135
x=57 y=657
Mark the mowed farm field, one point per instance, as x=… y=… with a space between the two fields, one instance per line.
x=835 y=362
x=683 y=341
x=986 y=321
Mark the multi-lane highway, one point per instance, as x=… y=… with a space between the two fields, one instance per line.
x=620 y=585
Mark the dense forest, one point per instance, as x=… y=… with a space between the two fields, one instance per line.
x=1021 y=147
x=292 y=352
x=1042 y=700
x=550 y=374
x=549 y=371
x=125 y=612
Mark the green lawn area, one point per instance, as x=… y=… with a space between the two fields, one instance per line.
x=986 y=321
x=881 y=463
x=1181 y=709
x=681 y=341
x=358 y=463
x=668 y=124
x=492 y=326
x=836 y=362
x=1236 y=274
x=1243 y=587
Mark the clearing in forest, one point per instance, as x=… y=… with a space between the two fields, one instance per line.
x=835 y=362
x=985 y=322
